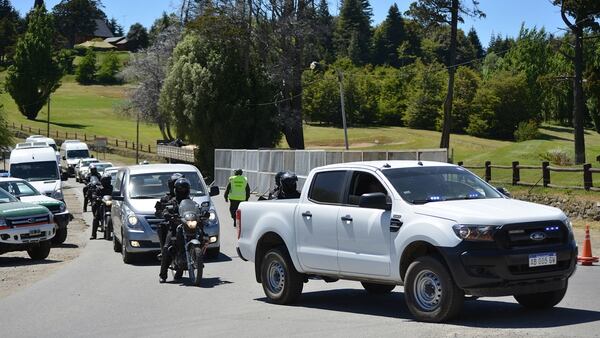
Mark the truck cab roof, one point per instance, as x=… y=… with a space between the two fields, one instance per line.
x=379 y=165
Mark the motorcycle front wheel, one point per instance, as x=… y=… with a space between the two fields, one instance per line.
x=197 y=265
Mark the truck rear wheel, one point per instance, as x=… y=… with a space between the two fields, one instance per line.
x=542 y=300
x=280 y=280
x=40 y=251
x=431 y=294
x=377 y=289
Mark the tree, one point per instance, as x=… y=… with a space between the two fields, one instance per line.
x=435 y=12
x=115 y=28
x=476 y=43
x=353 y=31
x=583 y=14
x=35 y=73
x=5 y=138
x=425 y=96
x=325 y=28
x=466 y=86
x=148 y=68
x=110 y=66
x=76 y=19
x=10 y=23
x=160 y=25
x=86 y=70
x=388 y=37
x=214 y=99
x=137 y=37
x=500 y=45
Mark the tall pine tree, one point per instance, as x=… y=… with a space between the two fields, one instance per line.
x=353 y=31
x=325 y=29
x=388 y=37
x=474 y=40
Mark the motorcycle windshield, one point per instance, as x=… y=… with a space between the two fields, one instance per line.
x=187 y=206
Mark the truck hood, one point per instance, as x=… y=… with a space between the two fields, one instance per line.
x=20 y=209
x=72 y=161
x=46 y=187
x=40 y=199
x=146 y=206
x=492 y=211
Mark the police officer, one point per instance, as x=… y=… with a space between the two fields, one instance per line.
x=105 y=188
x=273 y=194
x=161 y=205
x=289 y=183
x=181 y=191
x=88 y=177
x=237 y=191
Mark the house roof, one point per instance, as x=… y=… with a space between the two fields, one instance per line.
x=123 y=41
x=115 y=39
x=102 y=30
x=96 y=45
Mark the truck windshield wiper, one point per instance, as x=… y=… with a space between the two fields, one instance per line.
x=465 y=198
x=144 y=197
x=425 y=201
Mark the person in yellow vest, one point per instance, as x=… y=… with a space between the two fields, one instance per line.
x=237 y=191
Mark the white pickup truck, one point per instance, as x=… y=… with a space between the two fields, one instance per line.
x=435 y=228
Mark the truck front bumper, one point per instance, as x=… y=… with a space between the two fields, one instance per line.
x=493 y=271
x=20 y=238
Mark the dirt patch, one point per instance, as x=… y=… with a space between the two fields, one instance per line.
x=17 y=270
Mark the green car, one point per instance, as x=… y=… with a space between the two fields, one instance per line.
x=25 y=227
x=25 y=192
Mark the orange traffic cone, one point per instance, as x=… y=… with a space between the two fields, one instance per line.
x=587 y=258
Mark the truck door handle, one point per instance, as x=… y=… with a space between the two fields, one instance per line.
x=395 y=225
x=347 y=218
x=307 y=214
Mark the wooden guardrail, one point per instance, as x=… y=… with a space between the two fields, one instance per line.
x=545 y=169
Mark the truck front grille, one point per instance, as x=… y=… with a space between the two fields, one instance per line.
x=153 y=221
x=533 y=234
x=27 y=221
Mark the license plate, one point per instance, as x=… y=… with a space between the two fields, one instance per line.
x=35 y=232
x=542 y=259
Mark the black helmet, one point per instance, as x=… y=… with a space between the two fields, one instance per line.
x=93 y=169
x=182 y=189
x=171 y=182
x=105 y=180
x=278 y=178
x=238 y=172
x=288 y=181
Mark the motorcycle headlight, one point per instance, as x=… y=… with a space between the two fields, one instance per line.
x=476 y=233
x=108 y=203
x=191 y=224
x=58 y=195
x=190 y=220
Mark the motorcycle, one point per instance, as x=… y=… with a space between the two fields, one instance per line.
x=189 y=242
x=106 y=221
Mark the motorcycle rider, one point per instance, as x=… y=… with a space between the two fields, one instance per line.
x=160 y=206
x=182 y=191
x=88 y=177
x=273 y=194
x=105 y=188
x=289 y=182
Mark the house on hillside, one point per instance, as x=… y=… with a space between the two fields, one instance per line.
x=102 y=32
x=120 y=42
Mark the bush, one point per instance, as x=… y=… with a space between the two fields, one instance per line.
x=558 y=157
x=86 y=70
x=65 y=61
x=108 y=69
x=425 y=96
x=527 y=130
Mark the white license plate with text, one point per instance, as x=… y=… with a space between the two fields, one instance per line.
x=542 y=259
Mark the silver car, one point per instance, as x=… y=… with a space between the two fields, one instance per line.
x=136 y=191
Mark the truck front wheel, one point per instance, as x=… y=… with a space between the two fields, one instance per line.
x=280 y=280
x=431 y=294
x=40 y=251
x=542 y=300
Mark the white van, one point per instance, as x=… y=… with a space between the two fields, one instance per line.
x=38 y=165
x=71 y=152
x=48 y=140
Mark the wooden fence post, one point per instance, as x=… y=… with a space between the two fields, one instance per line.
x=545 y=173
x=516 y=173
x=587 y=176
x=57 y=134
x=29 y=129
x=85 y=137
x=75 y=135
x=39 y=131
x=125 y=144
x=488 y=171
x=116 y=143
x=460 y=163
x=21 y=126
x=149 y=149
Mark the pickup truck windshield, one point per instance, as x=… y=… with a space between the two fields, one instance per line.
x=151 y=186
x=19 y=188
x=5 y=197
x=422 y=185
x=83 y=153
x=35 y=171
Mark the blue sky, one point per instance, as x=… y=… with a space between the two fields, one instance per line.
x=503 y=16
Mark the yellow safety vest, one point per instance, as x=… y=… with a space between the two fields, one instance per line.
x=237 y=190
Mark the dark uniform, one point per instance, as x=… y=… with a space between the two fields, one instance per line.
x=273 y=194
x=88 y=177
x=289 y=182
x=104 y=189
x=161 y=205
x=182 y=192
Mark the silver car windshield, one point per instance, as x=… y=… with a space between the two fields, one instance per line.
x=422 y=185
x=149 y=186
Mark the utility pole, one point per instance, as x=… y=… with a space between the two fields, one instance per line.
x=137 y=139
x=48 y=121
x=341 y=80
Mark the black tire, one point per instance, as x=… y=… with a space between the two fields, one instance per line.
x=60 y=236
x=542 y=300
x=127 y=256
x=40 y=251
x=281 y=282
x=431 y=294
x=377 y=289
x=107 y=231
x=198 y=258
x=213 y=253
x=116 y=244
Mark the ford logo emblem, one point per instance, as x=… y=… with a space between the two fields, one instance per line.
x=538 y=236
x=31 y=220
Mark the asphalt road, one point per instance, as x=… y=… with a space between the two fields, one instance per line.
x=97 y=295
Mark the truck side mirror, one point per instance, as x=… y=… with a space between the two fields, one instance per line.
x=503 y=191
x=214 y=191
x=376 y=200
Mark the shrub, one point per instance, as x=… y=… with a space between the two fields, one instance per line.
x=527 y=130
x=65 y=60
x=108 y=69
x=86 y=70
x=557 y=156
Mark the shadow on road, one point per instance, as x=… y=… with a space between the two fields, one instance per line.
x=222 y=258
x=475 y=313
x=209 y=283
x=23 y=261
x=66 y=246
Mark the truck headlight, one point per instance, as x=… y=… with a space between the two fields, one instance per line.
x=478 y=233
x=2 y=222
x=62 y=207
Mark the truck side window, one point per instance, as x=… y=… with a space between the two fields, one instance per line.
x=363 y=183
x=327 y=187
